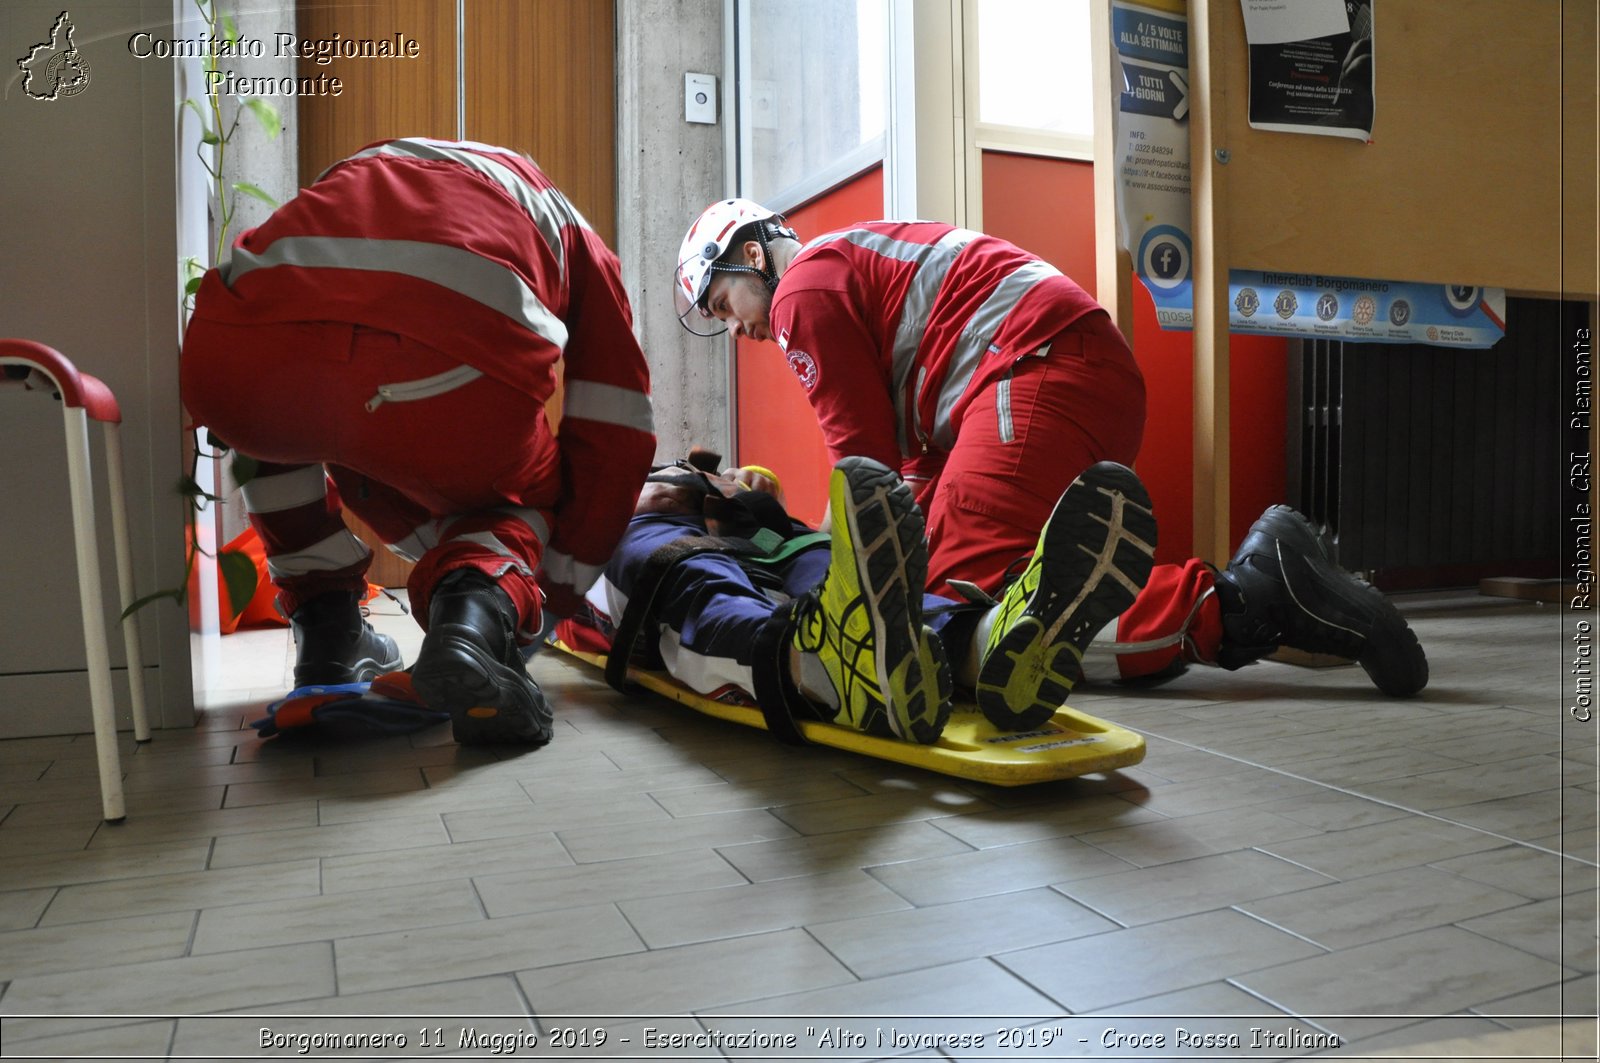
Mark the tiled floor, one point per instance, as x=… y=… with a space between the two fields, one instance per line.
x=1295 y=853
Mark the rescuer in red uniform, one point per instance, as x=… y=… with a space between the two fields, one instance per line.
x=397 y=328
x=991 y=381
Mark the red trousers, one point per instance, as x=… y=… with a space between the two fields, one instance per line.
x=1022 y=441
x=459 y=473
x=1175 y=617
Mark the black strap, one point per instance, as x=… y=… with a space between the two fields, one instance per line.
x=642 y=605
x=775 y=692
x=776 y=695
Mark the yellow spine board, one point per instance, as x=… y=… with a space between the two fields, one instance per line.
x=1069 y=744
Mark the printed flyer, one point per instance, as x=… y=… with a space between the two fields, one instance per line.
x=1311 y=66
x=1150 y=59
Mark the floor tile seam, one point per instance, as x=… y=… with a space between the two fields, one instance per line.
x=332 y=939
x=1384 y=801
x=1567 y=969
x=70 y=883
x=185 y=957
x=1333 y=948
x=1100 y=1012
x=1561 y=987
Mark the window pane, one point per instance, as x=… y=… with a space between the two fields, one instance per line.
x=814 y=86
x=1034 y=65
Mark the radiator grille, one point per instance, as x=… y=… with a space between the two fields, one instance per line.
x=1426 y=457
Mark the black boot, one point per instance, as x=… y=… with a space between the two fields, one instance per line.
x=470 y=667
x=1281 y=588
x=334 y=645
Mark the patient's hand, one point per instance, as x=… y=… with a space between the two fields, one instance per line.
x=753 y=478
x=677 y=498
x=667 y=498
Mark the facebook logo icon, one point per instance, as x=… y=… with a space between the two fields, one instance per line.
x=1166 y=260
x=1163 y=259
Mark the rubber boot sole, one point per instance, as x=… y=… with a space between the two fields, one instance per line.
x=1389 y=652
x=1095 y=554
x=488 y=702
x=891 y=563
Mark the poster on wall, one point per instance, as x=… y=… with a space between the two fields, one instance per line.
x=1150 y=64
x=1311 y=66
x=1308 y=306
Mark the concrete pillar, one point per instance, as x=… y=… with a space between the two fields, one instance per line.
x=270 y=165
x=667 y=170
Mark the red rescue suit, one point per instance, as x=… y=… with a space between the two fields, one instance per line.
x=402 y=321
x=984 y=375
x=990 y=380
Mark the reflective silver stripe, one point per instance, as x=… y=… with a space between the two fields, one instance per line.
x=531 y=517
x=423 y=537
x=286 y=490
x=549 y=209
x=575 y=574
x=608 y=404
x=975 y=337
x=933 y=262
x=431 y=533
x=490 y=542
x=479 y=279
x=339 y=550
x=1002 y=409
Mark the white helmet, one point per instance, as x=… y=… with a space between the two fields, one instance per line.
x=706 y=241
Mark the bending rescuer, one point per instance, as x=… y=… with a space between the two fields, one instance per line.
x=396 y=328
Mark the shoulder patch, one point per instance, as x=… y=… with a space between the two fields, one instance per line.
x=804 y=366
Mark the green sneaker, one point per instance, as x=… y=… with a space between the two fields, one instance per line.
x=864 y=624
x=1094 y=555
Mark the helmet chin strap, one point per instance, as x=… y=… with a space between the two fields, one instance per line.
x=769 y=272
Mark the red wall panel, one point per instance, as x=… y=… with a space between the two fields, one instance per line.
x=1047 y=205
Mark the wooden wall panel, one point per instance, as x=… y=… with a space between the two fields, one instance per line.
x=381 y=97
x=1480 y=106
x=541 y=78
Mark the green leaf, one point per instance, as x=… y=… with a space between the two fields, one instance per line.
x=208 y=137
x=251 y=190
x=198 y=113
x=193 y=285
x=191 y=489
x=244 y=468
x=239 y=576
x=230 y=30
x=139 y=603
x=193 y=267
x=266 y=114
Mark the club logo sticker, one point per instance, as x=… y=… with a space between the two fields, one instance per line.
x=1462 y=299
x=1286 y=304
x=1327 y=306
x=1247 y=302
x=1364 y=310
